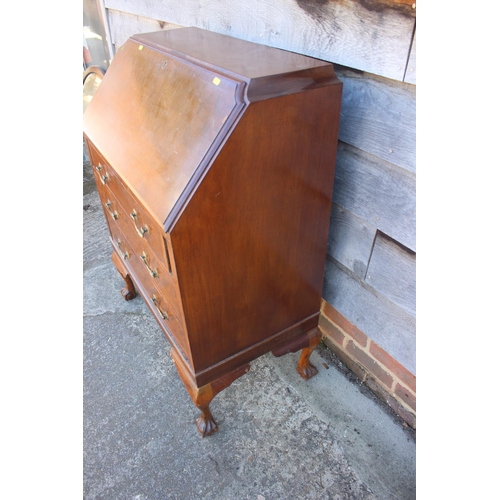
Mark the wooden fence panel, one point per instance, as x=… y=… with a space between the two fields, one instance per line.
x=123 y=25
x=379 y=116
x=350 y=240
x=372 y=36
x=411 y=70
x=390 y=326
x=392 y=272
x=378 y=192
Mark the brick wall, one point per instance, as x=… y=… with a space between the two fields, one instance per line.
x=387 y=378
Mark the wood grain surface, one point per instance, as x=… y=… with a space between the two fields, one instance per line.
x=379 y=117
x=371 y=36
x=123 y=25
x=230 y=148
x=378 y=192
x=350 y=240
x=411 y=69
x=389 y=325
x=392 y=272
x=255 y=231
x=151 y=137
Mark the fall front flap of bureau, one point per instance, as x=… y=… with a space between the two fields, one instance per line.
x=158 y=119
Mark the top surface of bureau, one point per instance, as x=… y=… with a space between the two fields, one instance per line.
x=239 y=57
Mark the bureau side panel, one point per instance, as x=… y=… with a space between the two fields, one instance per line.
x=250 y=245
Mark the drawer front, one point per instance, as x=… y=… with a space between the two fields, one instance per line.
x=143 y=226
x=165 y=315
x=162 y=311
x=113 y=210
x=148 y=267
x=149 y=270
x=161 y=306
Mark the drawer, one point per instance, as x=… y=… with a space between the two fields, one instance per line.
x=147 y=267
x=149 y=270
x=113 y=210
x=162 y=307
x=167 y=318
x=143 y=226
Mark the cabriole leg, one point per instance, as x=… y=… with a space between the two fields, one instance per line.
x=129 y=292
x=205 y=423
x=202 y=396
x=305 y=369
x=307 y=342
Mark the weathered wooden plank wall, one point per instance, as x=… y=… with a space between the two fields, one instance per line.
x=350 y=240
x=371 y=109
x=392 y=272
x=376 y=191
x=370 y=269
x=123 y=25
x=389 y=325
x=373 y=36
x=411 y=67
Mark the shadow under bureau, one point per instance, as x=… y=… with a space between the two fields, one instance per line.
x=214 y=160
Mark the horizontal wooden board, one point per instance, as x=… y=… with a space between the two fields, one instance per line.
x=411 y=69
x=123 y=25
x=372 y=36
x=379 y=116
x=350 y=240
x=387 y=324
x=392 y=272
x=378 y=192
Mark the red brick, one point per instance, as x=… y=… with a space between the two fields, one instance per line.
x=408 y=416
x=335 y=317
x=393 y=366
x=331 y=330
x=406 y=395
x=370 y=364
x=342 y=355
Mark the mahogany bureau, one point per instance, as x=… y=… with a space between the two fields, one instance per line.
x=214 y=160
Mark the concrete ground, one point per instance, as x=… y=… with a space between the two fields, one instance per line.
x=279 y=437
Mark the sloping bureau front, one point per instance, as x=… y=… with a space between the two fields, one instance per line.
x=214 y=160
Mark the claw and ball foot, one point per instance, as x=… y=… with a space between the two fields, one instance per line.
x=307 y=342
x=205 y=423
x=202 y=396
x=304 y=367
x=129 y=292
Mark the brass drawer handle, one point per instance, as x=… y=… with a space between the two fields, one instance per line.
x=122 y=251
x=114 y=214
x=104 y=178
x=152 y=272
x=140 y=231
x=164 y=315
